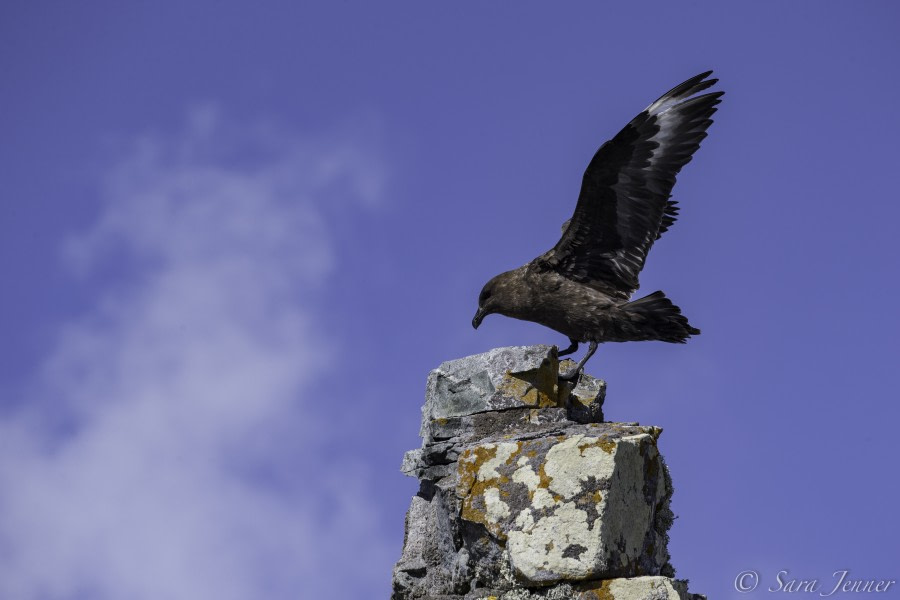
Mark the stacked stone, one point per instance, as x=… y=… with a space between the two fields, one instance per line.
x=526 y=493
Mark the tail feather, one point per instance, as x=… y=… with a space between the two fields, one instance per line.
x=660 y=319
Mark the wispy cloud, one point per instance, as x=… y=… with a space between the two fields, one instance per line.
x=171 y=446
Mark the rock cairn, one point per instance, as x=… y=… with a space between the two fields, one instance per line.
x=525 y=492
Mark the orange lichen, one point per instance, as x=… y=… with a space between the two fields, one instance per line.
x=603 y=443
x=473 y=485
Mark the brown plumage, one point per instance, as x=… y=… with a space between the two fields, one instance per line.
x=582 y=287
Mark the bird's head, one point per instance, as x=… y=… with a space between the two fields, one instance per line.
x=497 y=296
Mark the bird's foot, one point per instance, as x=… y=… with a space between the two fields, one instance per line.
x=573 y=373
x=573 y=347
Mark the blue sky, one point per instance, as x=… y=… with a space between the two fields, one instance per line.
x=236 y=238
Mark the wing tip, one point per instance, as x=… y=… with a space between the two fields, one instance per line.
x=686 y=90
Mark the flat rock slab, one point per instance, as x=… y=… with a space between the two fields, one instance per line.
x=515 y=377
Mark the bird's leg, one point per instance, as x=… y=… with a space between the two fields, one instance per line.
x=575 y=371
x=573 y=347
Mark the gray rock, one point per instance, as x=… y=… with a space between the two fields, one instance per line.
x=513 y=377
x=585 y=400
x=411 y=460
x=525 y=493
x=431 y=563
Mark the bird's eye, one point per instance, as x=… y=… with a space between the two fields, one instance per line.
x=485 y=294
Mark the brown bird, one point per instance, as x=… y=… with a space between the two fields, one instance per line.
x=582 y=287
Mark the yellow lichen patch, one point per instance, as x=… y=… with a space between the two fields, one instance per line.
x=582 y=400
x=479 y=515
x=604 y=444
x=537 y=387
x=517 y=389
x=582 y=397
x=545 y=479
x=470 y=462
x=544 y=483
x=513 y=453
x=480 y=485
x=594 y=497
x=475 y=507
x=600 y=592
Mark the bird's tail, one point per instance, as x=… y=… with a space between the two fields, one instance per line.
x=660 y=318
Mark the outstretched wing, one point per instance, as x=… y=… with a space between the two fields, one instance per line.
x=624 y=202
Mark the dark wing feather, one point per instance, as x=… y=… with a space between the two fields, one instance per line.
x=624 y=203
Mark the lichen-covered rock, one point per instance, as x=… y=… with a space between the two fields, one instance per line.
x=637 y=588
x=572 y=506
x=634 y=588
x=525 y=493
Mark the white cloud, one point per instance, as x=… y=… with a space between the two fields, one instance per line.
x=170 y=451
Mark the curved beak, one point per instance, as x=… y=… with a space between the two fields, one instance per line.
x=479 y=316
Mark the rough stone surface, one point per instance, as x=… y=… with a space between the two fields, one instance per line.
x=635 y=588
x=526 y=493
x=638 y=588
